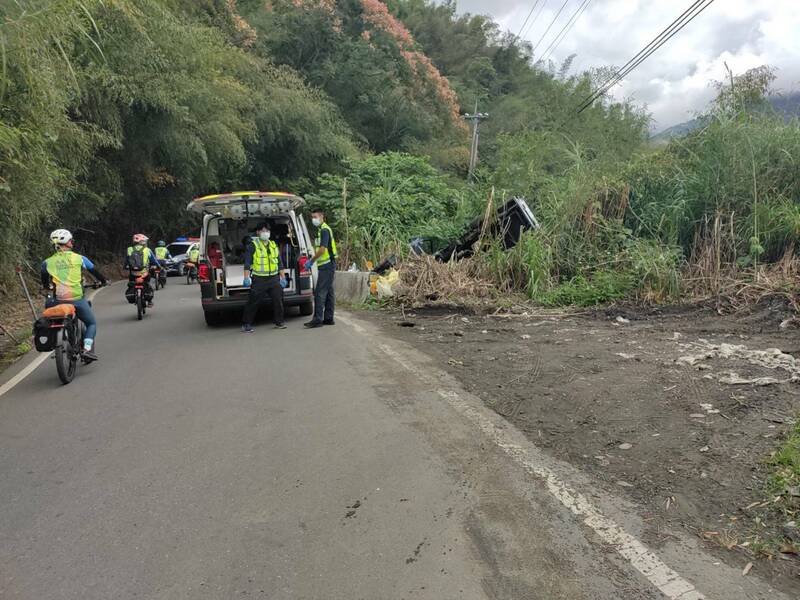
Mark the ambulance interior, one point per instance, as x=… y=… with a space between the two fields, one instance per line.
x=226 y=243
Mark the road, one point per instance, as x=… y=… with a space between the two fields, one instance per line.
x=306 y=464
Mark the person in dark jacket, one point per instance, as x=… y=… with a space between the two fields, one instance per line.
x=325 y=259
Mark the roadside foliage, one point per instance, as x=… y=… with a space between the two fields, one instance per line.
x=113 y=114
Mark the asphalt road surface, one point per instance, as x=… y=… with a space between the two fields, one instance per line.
x=307 y=464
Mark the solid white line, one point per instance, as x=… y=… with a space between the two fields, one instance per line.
x=670 y=583
x=11 y=383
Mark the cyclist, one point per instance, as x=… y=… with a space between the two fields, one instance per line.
x=63 y=271
x=162 y=252
x=193 y=258
x=138 y=260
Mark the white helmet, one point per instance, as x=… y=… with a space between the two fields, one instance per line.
x=139 y=238
x=60 y=237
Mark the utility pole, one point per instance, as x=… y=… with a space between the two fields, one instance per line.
x=476 y=118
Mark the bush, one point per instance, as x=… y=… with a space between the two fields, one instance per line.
x=602 y=287
x=390 y=199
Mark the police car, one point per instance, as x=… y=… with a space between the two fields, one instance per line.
x=228 y=222
x=179 y=250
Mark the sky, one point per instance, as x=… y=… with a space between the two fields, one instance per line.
x=675 y=82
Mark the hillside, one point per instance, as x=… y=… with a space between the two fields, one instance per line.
x=787 y=106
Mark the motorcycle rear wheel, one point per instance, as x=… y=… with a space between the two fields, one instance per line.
x=66 y=358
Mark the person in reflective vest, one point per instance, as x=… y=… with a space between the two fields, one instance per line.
x=63 y=272
x=162 y=252
x=138 y=260
x=325 y=259
x=265 y=275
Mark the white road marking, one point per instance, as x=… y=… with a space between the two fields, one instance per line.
x=670 y=583
x=11 y=383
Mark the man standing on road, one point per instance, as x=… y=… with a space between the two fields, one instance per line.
x=325 y=259
x=262 y=261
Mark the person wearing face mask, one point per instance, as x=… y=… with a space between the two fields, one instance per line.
x=265 y=275
x=325 y=259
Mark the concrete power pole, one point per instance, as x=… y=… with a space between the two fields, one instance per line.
x=476 y=118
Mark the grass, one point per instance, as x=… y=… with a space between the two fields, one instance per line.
x=782 y=504
x=786 y=465
x=15 y=351
x=371 y=303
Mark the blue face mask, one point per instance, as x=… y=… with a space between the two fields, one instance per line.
x=263 y=235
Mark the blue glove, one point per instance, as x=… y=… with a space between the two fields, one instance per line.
x=309 y=264
x=247 y=282
x=284 y=283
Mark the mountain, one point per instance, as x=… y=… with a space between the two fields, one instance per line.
x=787 y=105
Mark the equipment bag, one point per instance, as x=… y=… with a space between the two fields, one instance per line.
x=130 y=293
x=44 y=336
x=136 y=260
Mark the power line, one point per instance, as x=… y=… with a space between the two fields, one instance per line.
x=565 y=30
x=624 y=73
x=536 y=16
x=546 y=31
x=525 y=22
x=648 y=51
x=648 y=46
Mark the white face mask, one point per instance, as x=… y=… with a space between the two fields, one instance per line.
x=316 y=222
x=264 y=235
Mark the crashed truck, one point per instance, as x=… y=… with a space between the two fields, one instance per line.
x=512 y=219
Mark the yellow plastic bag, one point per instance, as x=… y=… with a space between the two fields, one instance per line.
x=385 y=283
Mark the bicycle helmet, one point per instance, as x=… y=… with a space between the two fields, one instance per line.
x=162 y=243
x=139 y=238
x=60 y=237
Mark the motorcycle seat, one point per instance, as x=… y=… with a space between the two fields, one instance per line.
x=59 y=311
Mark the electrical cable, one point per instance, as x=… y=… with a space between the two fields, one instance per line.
x=525 y=22
x=640 y=58
x=565 y=30
x=655 y=40
x=536 y=17
x=546 y=31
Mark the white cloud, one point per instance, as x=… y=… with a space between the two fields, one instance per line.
x=675 y=81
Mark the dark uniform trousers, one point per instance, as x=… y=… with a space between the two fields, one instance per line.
x=261 y=288
x=323 y=293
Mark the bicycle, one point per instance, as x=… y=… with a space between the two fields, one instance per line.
x=139 y=295
x=59 y=330
x=191 y=273
x=159 y=276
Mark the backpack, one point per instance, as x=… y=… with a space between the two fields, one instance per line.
x=136 y=259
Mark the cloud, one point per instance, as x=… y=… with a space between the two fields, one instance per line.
x=675 y=82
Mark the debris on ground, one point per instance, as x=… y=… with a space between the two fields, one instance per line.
x=583 y=383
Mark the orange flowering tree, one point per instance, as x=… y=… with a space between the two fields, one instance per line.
x=367 y=61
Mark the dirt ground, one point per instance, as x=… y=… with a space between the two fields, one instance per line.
x=652 y=403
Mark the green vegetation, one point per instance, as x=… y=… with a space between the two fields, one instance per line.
x=786 y=467
x=382 y=201
x=114 y=114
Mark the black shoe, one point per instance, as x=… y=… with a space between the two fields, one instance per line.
x=331 y=322
x=313 y=324
x=89 y=356
x=280 y=326
x=150 y=304
x=247 y=329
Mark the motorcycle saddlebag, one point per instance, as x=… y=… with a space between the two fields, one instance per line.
x=44 y=336
x=130 y=294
